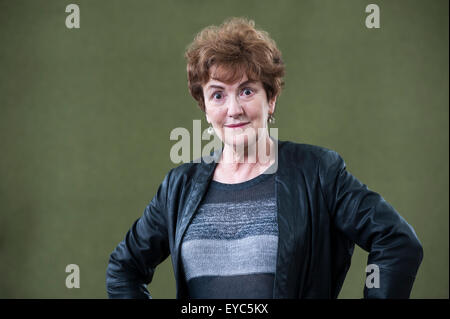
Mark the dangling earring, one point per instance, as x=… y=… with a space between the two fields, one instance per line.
x=210 y=130
x=271 y=118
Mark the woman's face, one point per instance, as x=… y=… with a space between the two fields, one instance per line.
x=238 y=112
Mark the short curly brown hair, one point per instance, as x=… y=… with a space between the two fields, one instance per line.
x=235 y=48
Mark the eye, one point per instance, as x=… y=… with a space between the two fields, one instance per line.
x=216 y=96
x=247 y=91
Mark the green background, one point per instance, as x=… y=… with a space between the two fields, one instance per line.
x=86 y=116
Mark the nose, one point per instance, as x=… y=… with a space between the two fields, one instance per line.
x=235 y=108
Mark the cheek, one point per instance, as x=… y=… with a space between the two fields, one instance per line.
x=255 y=112
x=217 y=115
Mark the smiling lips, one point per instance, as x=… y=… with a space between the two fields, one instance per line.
x=236 y=125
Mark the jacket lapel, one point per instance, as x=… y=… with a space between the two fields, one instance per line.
x=200 y=184
x=199 y=188
x=293 y=229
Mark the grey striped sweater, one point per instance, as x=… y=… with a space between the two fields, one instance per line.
x=229 y=249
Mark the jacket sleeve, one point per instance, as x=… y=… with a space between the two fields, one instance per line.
x=132 y=264
x=367 y=219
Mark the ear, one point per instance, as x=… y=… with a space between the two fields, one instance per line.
x=272 y=104
x=207 y=118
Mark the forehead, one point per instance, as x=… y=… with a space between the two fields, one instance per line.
x=229 y=75
x=218 y=81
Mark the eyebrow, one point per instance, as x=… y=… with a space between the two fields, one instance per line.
x=215 y=86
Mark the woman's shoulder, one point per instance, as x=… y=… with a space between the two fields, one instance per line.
x=308 y=159
x=304 y=150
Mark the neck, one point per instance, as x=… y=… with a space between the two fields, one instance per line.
x=259 y=155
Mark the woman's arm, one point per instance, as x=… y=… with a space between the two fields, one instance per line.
x=146 y=245
x=374 y=225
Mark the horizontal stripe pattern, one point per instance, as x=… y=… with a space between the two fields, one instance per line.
x=255 y=254
x=234 y=221
x=229 y=249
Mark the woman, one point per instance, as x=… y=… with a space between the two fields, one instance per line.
x=265 y=218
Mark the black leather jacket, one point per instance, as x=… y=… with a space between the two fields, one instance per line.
x=322 y=212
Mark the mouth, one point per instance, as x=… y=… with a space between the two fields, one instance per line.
x=237 y=125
